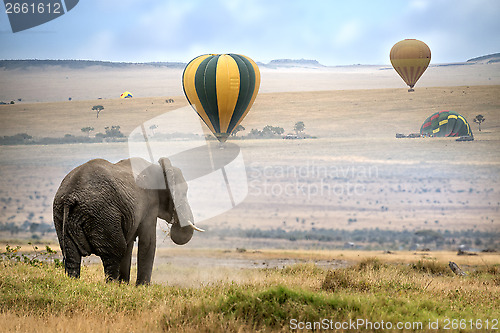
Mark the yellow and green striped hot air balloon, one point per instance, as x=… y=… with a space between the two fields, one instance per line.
x=126 y=94
x=221 y=88
x=445 y=124
x=410 y=58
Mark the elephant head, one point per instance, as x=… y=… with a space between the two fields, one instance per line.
x=182 y=219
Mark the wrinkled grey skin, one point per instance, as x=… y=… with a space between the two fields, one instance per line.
x=101 y=209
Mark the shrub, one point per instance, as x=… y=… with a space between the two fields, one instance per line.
x=371 y=264
x=37 y=258
x=347 y=278
x=431 y=267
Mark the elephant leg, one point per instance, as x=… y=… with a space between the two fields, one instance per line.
x=111 y=267
x=106 y=236
x=72 y=258
x=146 y=253
x=125 y=264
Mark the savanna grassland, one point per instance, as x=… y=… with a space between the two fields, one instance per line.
x=419 y=294
x=354 y=177
x=355 y=174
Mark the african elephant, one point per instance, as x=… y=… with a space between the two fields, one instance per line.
x=101 y=208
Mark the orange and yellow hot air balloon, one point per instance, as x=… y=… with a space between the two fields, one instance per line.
x=410 y=58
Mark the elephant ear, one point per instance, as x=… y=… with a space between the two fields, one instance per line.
x=168 y=174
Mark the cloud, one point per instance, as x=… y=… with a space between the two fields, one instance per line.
x=348 y=33
x=166 y=21
x=248 y=12
x=100 y=47
x=420 y=5
x=332 y=32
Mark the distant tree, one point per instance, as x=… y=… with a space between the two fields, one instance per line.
x=278 y=130
x=272 y=130
x=11 y=227
x=255 y=132
x=20 y=138
x=23 y=136
x=113 y=132
x=299 y=127
x=478 y=120
x=34 y=227
x=97 y=108
x=237 y=129
x=87 y=130
x=428 y=236
x=267 y=131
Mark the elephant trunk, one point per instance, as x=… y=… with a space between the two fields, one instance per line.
x=181 y=235
x=183 y=227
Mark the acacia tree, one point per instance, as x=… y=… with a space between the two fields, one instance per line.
x=237 y=129
x=97 y=108
x=478 y=120
x=113 y=132
x=87 y=130
x=299 y=127
x=272 y=130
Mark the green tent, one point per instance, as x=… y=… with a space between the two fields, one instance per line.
x=445 y=124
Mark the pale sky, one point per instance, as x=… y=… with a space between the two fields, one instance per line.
x=332 y=32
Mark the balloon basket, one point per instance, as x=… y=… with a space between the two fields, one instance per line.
x=411 y=90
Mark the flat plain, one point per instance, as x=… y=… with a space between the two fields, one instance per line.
x=352 y=175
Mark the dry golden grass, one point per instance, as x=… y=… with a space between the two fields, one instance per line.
x=59 y=118
x=374 y=113
x=78 y=323
x=42 y=299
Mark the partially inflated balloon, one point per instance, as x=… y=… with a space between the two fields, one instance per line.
x=410 y=58
x=126 y=94
x=221 y=88
x=445 y=124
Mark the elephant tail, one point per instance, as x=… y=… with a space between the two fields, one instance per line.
x=72 y=232
x=63 y=240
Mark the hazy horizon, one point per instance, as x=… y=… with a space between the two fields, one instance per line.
x=333 y=33
x=270 y=62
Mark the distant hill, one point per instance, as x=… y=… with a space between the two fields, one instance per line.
x=487 y=59
x=277 y=63
x=287 y=63
x=81 y=64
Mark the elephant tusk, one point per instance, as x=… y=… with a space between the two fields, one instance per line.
x=195 y=227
